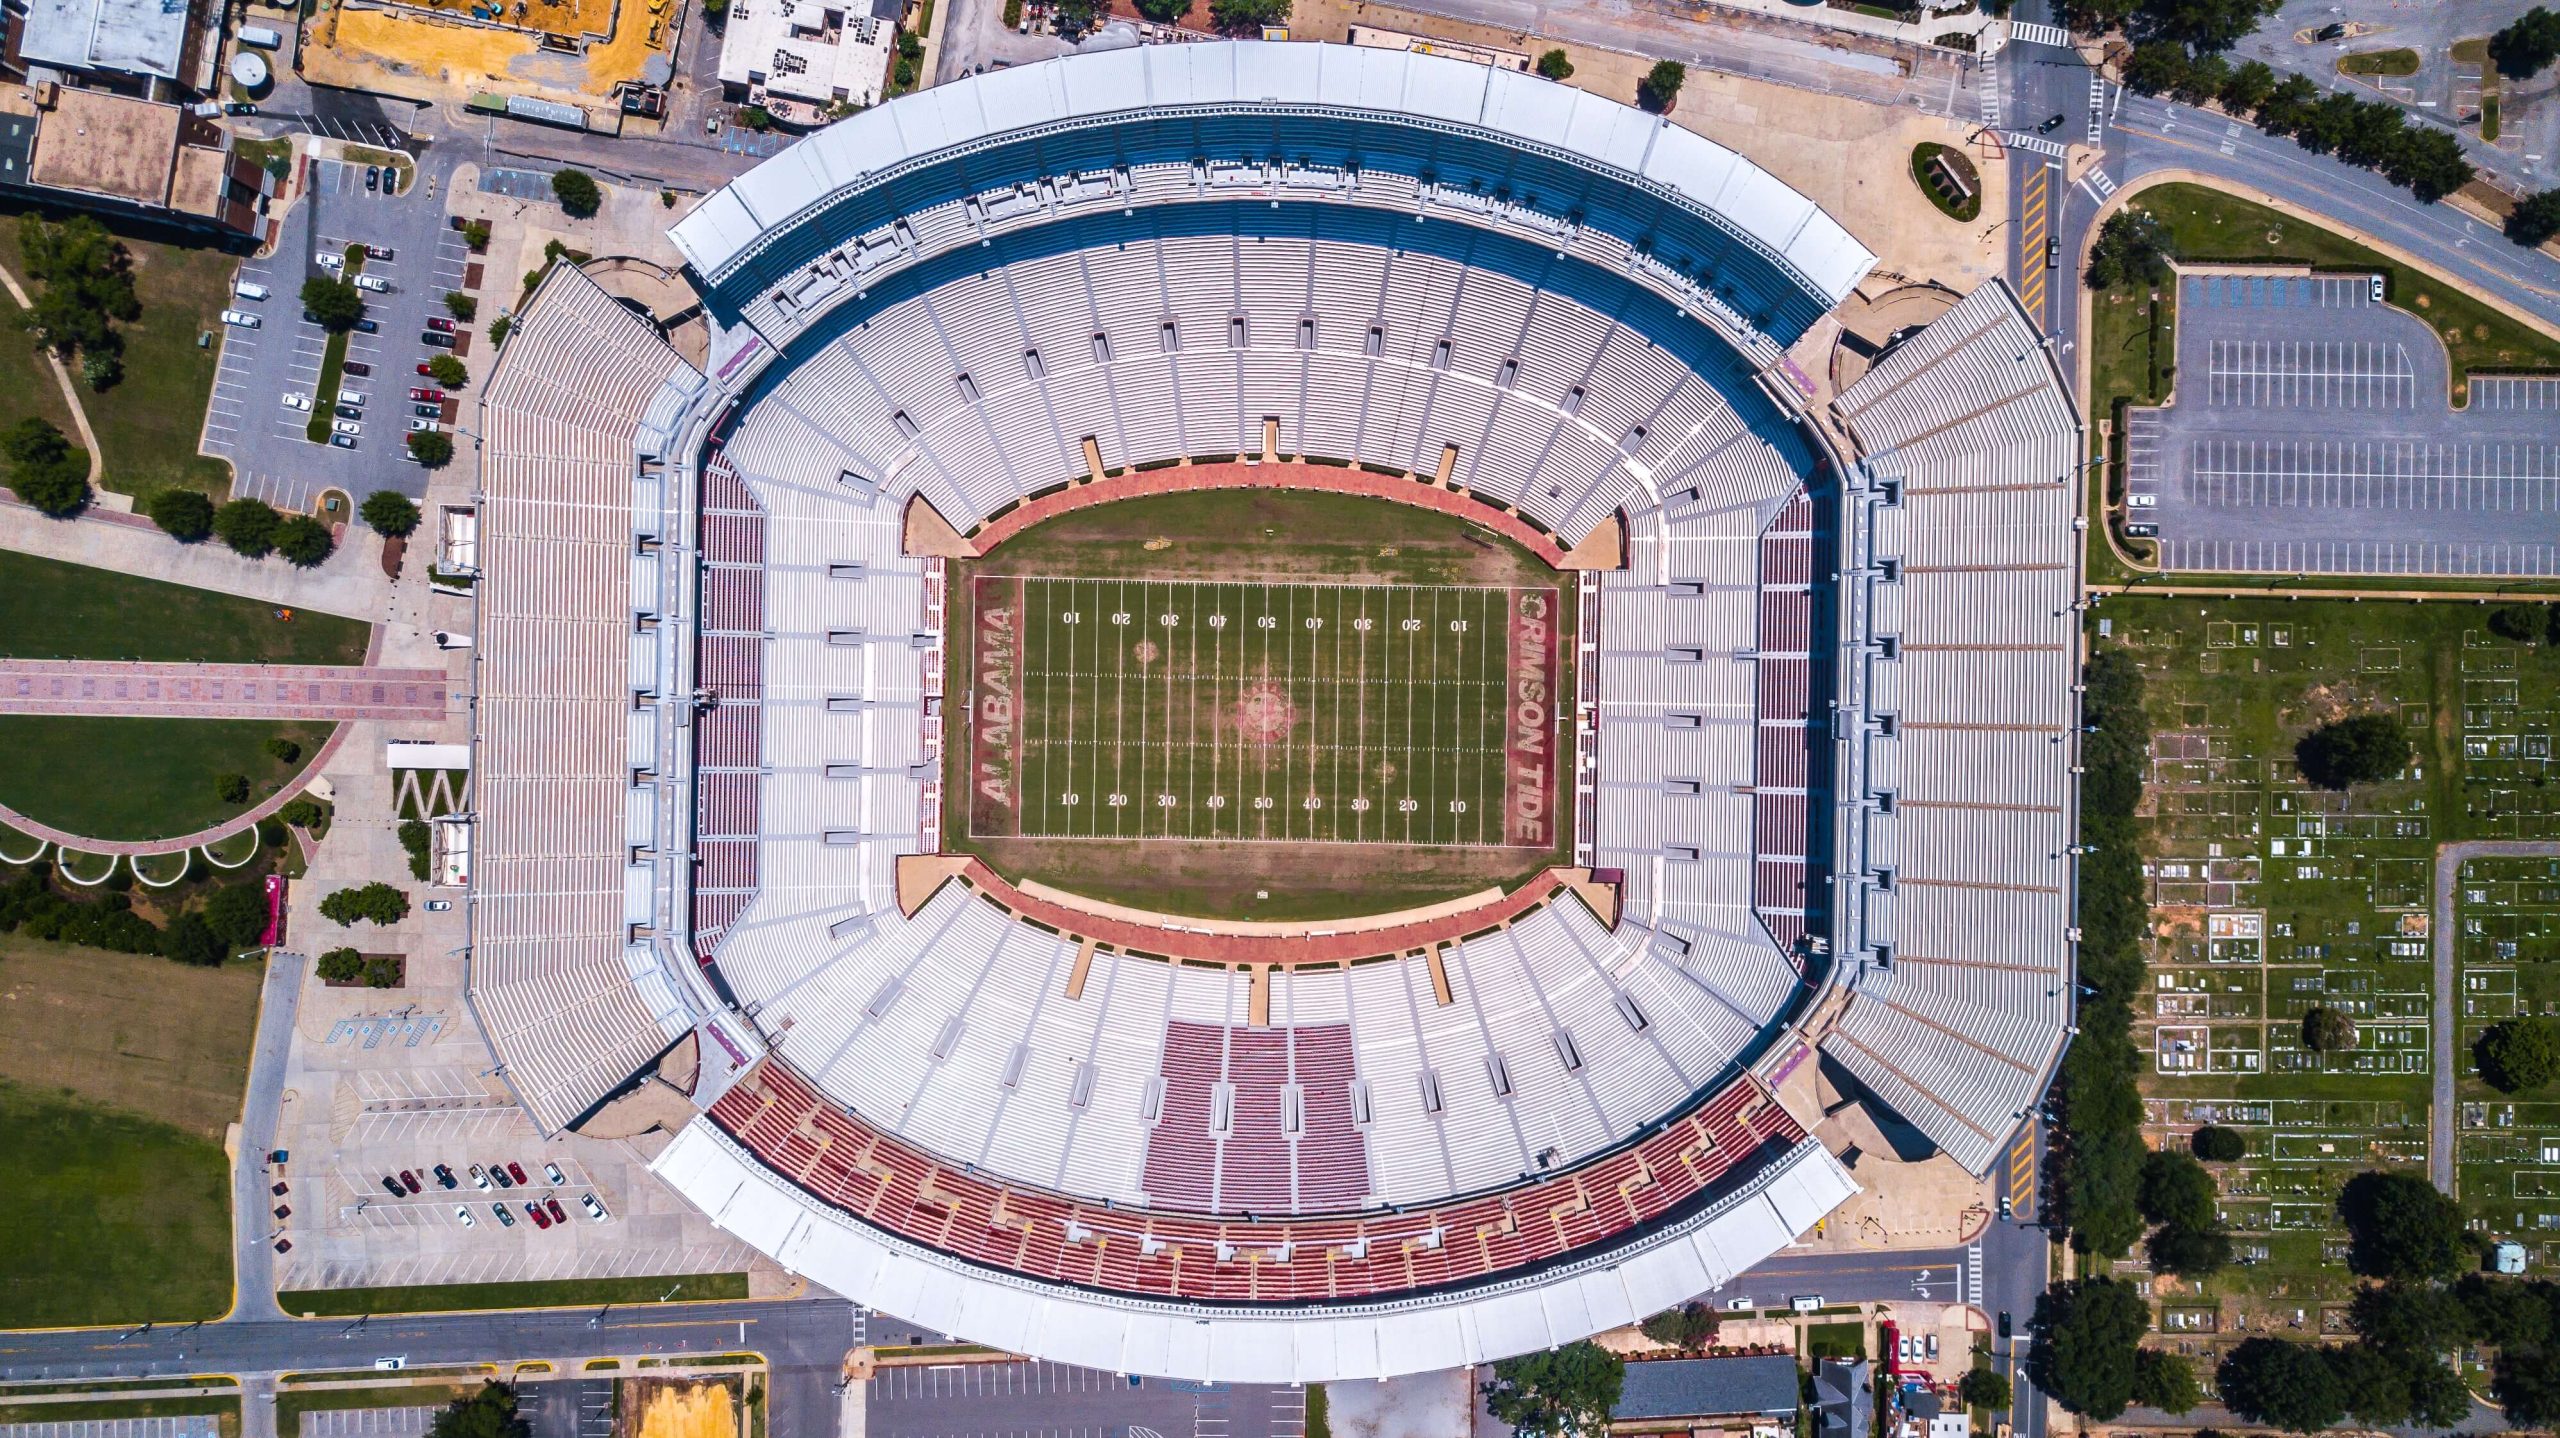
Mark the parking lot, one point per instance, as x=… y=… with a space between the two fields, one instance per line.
x=1053 y=1400
x=2312 y=433
x=248 y=422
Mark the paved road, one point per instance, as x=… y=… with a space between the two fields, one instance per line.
x=252 y=1260
x=220 y=691
x=2449 y=861
x=2524 y=151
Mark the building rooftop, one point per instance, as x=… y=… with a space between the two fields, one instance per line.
x=1758 y=1385
x=109 y=145
x=1845 y=1391
x=135 y=37
x=819 y=51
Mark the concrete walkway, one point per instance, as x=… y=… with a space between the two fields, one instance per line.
x=219 y=691
x=2449 y=861
x=350 y=582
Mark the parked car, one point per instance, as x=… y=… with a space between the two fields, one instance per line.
x=2142 y=531
x=593 y=1205
x=423 y=426
x=438 y=906
x=347 y=411
x=534 y=1212
x=440 y=324
x=498 y=1171
x=409 y=1180
x=251 y=290
x=346 y=426
x=240 y=319
x=373 y=177
x=368 y=327
x=350 y=396
x=425 y=368
x=330 y=260
x=552 y=1205
x=377 y=252
x=343 y=441
x=505 y=1219
x=422 y=392
x=1737 y=1305
x=296 y=401
x=552 y=1172
x=360 y=369
x=479 y=1178
x=391 y=1186
x=375 y=283
x=516 y=1172
x=462 y=1215
x=434 y=340
x=239 y=108
x=427 y=415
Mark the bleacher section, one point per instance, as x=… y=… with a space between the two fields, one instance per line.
x=1959 y=910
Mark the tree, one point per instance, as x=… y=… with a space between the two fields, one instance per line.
x=1556 y=65
x=248 y=526
x=1247 y=16
x=238 y=914
x=2132 y=248
x=283 y=750
x=389 y=513
x=499 y=329
x=2248 y=87
x=577 y=193
x=341 y=966
x=301 y=811
x=2159 y=68
x=190 y=940
x=2359 y=749
x=2190 y=1252
x=419 y=841
x=86 y=279
x=2373 y=1384
x=445 y=370
x=1690 y=1327
x=461 y=306
x=2516 y=1313
x=231 y=788
x=2327 y=1031
x=2178 y=1190
x=382 y=971
x=376 y=902
x=2204 y=25
x=185 y=515
x=2399 y=1226
x=476 y=234
x=2215 y=1144
x=1562 y=1390
x=2426 y=162
x=1164 y=12
x=2519 y=1054
x=44 y=469
x=2165 y=1381
x=2519 y=622
x=334 y=302
x=1659 y=90
x=304 y=541
x=2086 y=1333
x=488 y=1413
x=2535 y=219
x=431 y=447
x=2408 y=1320
x=2288 y=1385
x=1985 y=1387
x=2527 y=1385
x=2438 y=1398
x=2523 y=48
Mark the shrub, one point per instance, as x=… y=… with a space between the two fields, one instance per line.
x=304 y=541
x=45 y=469
x=1985 y=1388
x=301 y=812
x=2519 y=622
x=1659 y=90
x=1556 y=65
x=2327 y=1031
x=271 y=832
x=248 y=526
x=190 y=940
x=2519 y=1054
x=231 y=788
x=381 y=971
x=2359 y=749
x=1689 y=1327
x=415 y=837
x=445 y=370
x=341 y=966
x=476 y=234
x=499 y=329
x=389 y=513
x=238 y=914
x=185 y=515
x=431 y=447
x=2216 y=1144
x=377 y=903
x=577 y=193
x=283 y=750
x=461 y=306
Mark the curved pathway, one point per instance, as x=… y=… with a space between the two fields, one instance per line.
x=2449 y=861
x=62 y=377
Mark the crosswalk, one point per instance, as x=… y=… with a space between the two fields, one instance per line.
x=2098 y=185
x=1994 y=85
x=1973 y=1274
x=2036 y=144
x=2097 y=107
x=2029 y=34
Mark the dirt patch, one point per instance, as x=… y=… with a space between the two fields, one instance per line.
x=1264 y=714
x=680 y=1408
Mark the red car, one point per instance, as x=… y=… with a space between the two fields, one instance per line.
x=424 y=368
x=426 y=394
x=440 y=324
x=516 y=1172
x=409 y=1180
x=534 y=1212
x=557 y=1216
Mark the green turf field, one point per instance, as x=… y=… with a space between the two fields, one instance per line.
x=1272 y=713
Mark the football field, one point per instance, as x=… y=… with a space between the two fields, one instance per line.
x=1309 y=713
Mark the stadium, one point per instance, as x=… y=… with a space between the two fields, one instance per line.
x=1250 y=725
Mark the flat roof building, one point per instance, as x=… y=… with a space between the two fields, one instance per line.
x=818 y=52
x=115 y=152
x=145 y=39
x=1687 y=1390
x=1844 y=1394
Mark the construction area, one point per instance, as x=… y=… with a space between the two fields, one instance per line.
x=590 y=54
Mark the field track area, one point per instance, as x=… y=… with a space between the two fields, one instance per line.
x=1272 y=713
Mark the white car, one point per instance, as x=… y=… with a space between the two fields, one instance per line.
x=391 y=1365
x=2142 y=501
x=346 y=426
x=463 y=1216
x=241 y=318
x=550 y=1171
x=296 y=401
x=375 y=283
x=331 y=260
x=423 y=426
x=593 y=1206
x=1737 y=1305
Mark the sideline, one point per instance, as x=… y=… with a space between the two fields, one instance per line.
x=2449 y=861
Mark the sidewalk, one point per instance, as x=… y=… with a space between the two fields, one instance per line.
x=350 y=583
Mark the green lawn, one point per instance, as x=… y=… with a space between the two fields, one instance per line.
x=53 y=610
x=27 y=385
x=2380 y=62
x=141 y=778
x=558 y=1293
x=108 y=1217
x=1836 y=1340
